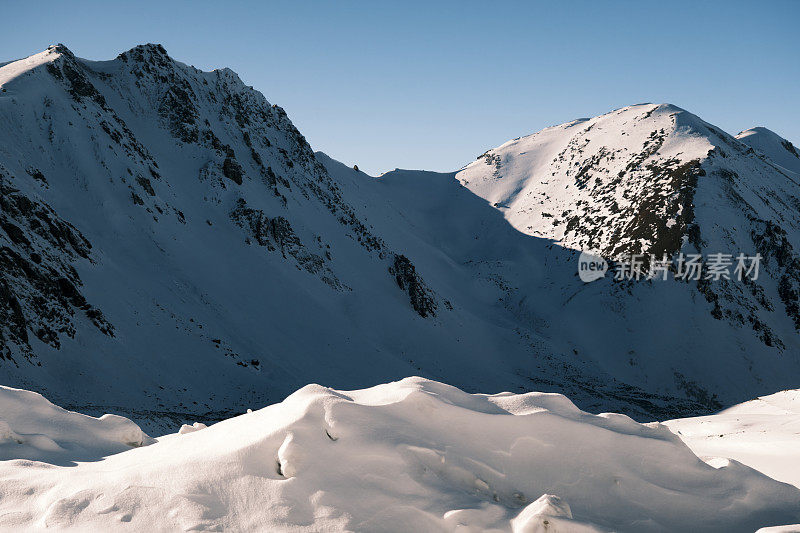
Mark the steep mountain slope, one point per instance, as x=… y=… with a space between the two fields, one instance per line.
x=170 y=245
x=630 y=181
x=656 y=180
x=172 y=249
x=607 y=344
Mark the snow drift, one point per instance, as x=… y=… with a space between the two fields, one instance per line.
x=33 y=428
x=414 y=455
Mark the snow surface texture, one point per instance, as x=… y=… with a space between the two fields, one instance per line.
x=172 y=249
x=33 y=428
x=413 y=455
x=763 y=434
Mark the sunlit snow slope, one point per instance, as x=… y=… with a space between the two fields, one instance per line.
x=655 y=179
x=641 y=179
x=773 y=146
x=762 y=433
x=413 y=455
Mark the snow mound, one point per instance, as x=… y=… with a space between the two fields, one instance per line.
x=186 y=428
x=33 y=428
x=414 y=455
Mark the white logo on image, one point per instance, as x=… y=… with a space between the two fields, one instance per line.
x=591 y=267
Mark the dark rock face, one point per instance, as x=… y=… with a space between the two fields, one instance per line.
x=277 y=234
x=39 y=287
x=232 y=170
x=176 y=99
x=14 y=327
x=177 y=108
x=772 y=243
x=791 y=149
x=68 y=70
x=273 y=233
x=668 y=197
x=181 y=99
x=676 y=201
x=420 y=296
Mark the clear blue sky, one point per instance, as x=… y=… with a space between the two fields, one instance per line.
x=413 y=85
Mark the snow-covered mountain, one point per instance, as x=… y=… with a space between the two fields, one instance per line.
x=171 y=248
x=641 y=179
x=171 y=244
x=773 y=146
x=413 y=455
x=649 y=179
x=657 y=180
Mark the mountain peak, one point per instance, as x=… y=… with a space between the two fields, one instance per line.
x=755 y=130
x=648 y=107
x=581 y=182
x=149 y=53
x=13 y=70
x=779 y=150
x=144 y=52
x=761 y=133
x=60 y=49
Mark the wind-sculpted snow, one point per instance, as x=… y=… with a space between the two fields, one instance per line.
x=33 y=428
x=414 y=455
